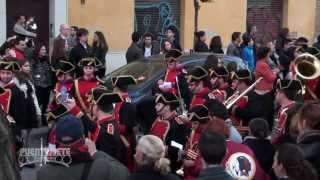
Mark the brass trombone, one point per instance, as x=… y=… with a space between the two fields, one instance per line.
x=233 y=96
x=236 y=96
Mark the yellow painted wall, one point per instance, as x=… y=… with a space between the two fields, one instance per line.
x=220 y=16
x=300 y=16
x=115 y=20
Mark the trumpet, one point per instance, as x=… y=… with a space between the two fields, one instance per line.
x=235 y=97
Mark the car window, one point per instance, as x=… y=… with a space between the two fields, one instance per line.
x=138 y=69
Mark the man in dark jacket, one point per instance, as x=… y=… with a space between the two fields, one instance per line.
x=309 y=133
x=234 y=47
x=81 y=50
x=149 y=47
x=60 y=45
x=86 y=163
x=134 y=52
x=213 y=147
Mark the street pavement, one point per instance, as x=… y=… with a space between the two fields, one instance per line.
x=34 y=142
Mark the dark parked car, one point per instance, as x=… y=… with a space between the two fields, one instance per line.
x=154 y=68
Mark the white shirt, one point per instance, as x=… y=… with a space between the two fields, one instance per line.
x=84 y=45
x=147 y=52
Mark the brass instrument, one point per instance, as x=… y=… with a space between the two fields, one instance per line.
x=231 y=101
x=191 y=154
x=234 y=95
x=307 y=66
x=182 y=110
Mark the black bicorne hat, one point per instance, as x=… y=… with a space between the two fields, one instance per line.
x=199 y=113
x=198 y=73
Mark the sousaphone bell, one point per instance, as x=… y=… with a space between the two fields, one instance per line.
x=307 y=66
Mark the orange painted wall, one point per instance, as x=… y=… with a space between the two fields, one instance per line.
x=220 y=17
x=300 y=17
x=114 y=18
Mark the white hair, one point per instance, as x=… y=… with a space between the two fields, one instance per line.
x=153 y=150
x=63 y=26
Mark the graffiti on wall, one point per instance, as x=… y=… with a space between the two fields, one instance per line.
x=155 y=18
x=266 y=16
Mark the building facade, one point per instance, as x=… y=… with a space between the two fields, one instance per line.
x=118 y=19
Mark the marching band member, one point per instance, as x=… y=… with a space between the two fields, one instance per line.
x=312 y=85
x=243 y=80
x=106 y=134
x=83 y=85
x=218 y=111
x=64 y=73
x=169 y=127
x=12 y=98
x=219 y=82
x=199 y=84
x=126 y=116
x=174 y=79
x=103 y=128
x=199 y=118
x=174 y=69
x=286 y=93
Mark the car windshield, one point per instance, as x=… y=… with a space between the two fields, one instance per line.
x=138 y=69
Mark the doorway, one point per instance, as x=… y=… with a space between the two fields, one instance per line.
x=39 y=9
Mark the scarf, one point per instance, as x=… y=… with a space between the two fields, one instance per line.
x=79 y=151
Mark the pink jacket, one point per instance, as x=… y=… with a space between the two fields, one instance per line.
x=263 y=70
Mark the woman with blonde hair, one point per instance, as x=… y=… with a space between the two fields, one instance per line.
x=150 y=160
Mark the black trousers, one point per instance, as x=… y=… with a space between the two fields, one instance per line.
x=43 y=95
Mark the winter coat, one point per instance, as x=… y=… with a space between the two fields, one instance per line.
x=148 y=172
x=217 y=172
x=42 y=72
x=264 y=151
x=99 y=53
x=24 y=83
x=248 y=57
x=234 y=50
x=103 y=167
x=310 y=145
x=201 y=47
x=133 y=53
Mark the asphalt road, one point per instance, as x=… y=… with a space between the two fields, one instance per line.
x=34 y=142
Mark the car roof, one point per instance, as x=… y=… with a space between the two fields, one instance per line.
x=186 y=57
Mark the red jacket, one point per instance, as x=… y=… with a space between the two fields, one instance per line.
x=18 y=54
x=240 y=161
x=199 y=98
x=312 y=85
x=263 y=70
